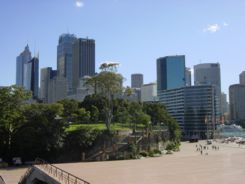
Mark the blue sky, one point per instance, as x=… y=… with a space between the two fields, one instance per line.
x=132 y=32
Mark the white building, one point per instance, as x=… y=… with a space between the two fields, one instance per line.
x=149 y=92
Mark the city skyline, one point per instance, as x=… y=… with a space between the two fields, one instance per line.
x=215 y=36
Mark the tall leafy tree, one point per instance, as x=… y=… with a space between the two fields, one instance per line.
x=108 y=83
x=11 y=100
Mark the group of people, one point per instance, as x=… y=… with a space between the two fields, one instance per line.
x=204 y=148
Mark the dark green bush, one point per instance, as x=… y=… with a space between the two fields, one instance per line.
x=156 y=151
x=143 y=154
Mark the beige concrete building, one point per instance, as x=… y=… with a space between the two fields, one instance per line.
x=149 y=92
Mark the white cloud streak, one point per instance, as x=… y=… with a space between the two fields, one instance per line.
x=225 y=24
x=213 y=28
x=79 y=3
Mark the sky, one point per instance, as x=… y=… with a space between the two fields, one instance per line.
x=132 y=32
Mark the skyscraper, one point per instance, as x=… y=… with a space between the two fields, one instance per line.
x=170 y=72
x=187 y=76
x=64 y=58
x=31 y=76
x=209 y=74
x=83 y=60
x=23 y=58
x=149 y=92
x=237 y=102
x=242 y=78
x=137 y=80
x=224 y=104
x=47 y=74
x=192 y=107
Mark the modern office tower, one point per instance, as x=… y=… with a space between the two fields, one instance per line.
x=47 y=74
x=23 y=58
x=83 y=60
x=64 y=58
x=224 y=104
x=170 y=72
x=209 y=74
x=237 y=102
x=137 y=80
x=242 y=78
x=193 y=108
x=187 y=76
x=31 y=76
x=57 y=89
x=83 y=90
x=149 y=92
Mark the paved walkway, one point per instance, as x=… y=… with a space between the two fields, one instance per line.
x=224 y=166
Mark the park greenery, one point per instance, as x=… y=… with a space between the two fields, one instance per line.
x=65 y=129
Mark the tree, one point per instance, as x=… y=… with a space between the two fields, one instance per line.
x=159 y=115
x=41 y=133
x=11 y=100
x=81 y=116
x=70 y=106
x=109 y=83
x=94 y=114
x=92 y=101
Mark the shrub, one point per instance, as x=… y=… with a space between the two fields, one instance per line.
x=156 y=151
x=143 y=154
x=3 y=165
x=151 y=153
x=169 y=152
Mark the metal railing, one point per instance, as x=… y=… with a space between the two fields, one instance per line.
x=60 y=174
x=26 y=175
x=1 y=180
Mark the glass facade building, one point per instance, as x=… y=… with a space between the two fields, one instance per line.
x=209 y=74
x=170 y=72
x=21 y=60
x=31 y=76
x=193 y=108
x=137 y=80
x=237 y=103
x=64 y=58
x=83 y=60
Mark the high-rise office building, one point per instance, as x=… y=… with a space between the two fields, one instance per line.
x=53 y=86
x=57 y=89
x=31 y=76
x=170 y=72
x=83 y=60
x=224 y=104
x=137 y=80
x=23 y=58
x=149 y=92
x=193 y=108
x=237 y=102
x=187 y=76
x=64 y=58
x=47 y=74
x=209 y=74
x=242 y=78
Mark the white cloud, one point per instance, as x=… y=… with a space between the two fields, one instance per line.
x=225 y=24
x=213 y=28
x=79 y=3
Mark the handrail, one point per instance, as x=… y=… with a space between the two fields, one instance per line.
x=59 y=173
x=25 y=176
x=1 y=180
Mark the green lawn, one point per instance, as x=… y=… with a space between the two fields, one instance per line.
x=114 y=127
